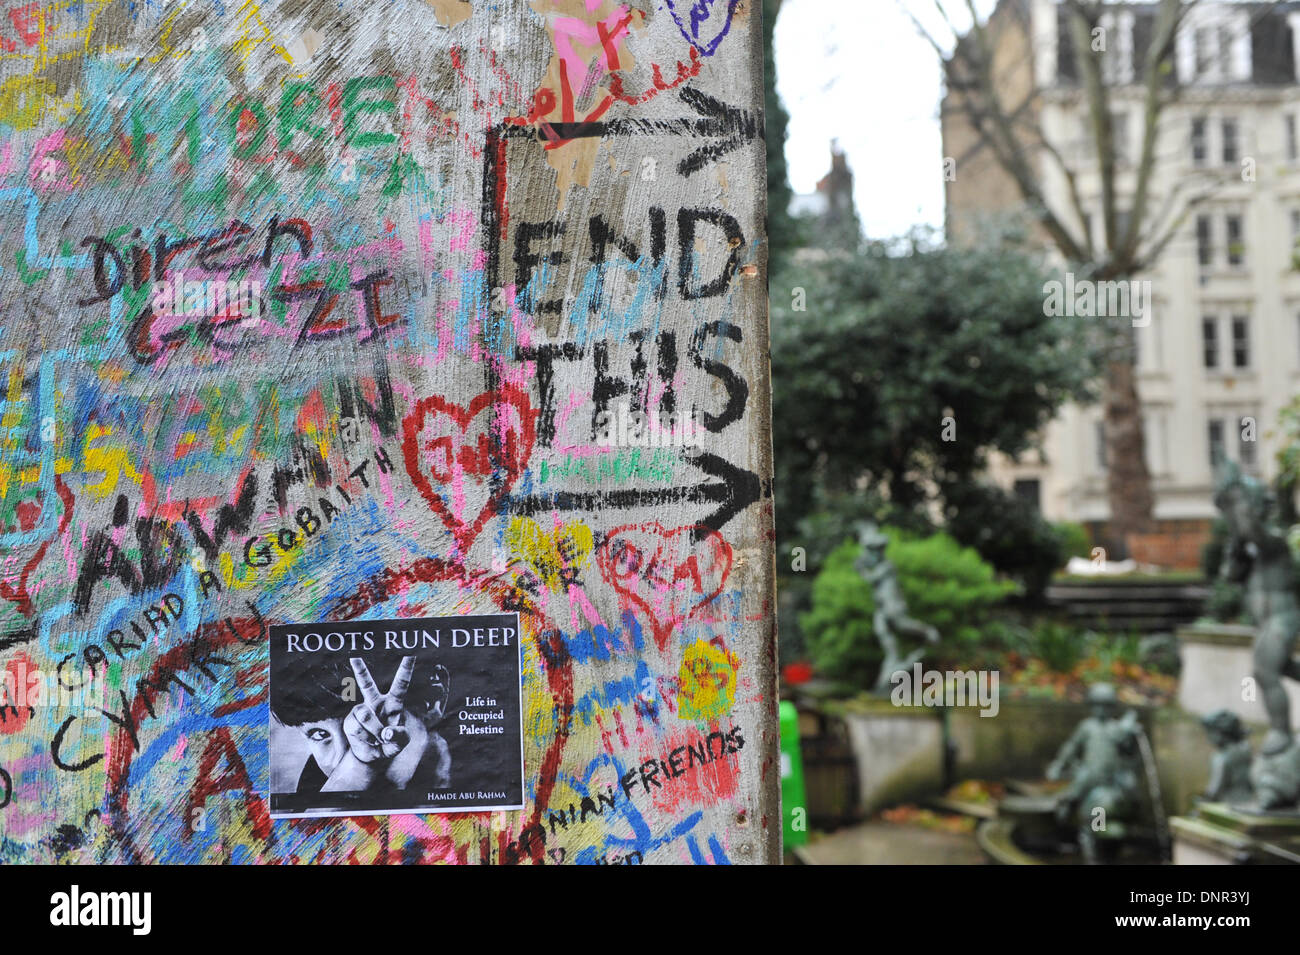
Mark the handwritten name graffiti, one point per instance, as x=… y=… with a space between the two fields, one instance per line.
x=162 y=550
x=193 y=659
x=704 y=23
x=303 y=308
x=438 y=448
x=667 y=574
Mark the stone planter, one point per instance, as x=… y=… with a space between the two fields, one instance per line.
x=1216 y=667
x=899 y=752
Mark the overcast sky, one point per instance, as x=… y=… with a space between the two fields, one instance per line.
x=857 y=71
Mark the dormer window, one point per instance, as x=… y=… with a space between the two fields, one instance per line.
x=1117 y=60
x=1215 y=45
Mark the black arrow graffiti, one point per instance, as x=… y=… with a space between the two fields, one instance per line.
x=728 y=127
x=17 y=637
x=736 y=490
x=725 y=127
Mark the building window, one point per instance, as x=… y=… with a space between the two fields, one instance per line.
x=1240 y=342
x=1230 y=152
x=1225 y=51
x=1157 y=442
x=1204 y=50
x=1200 y=145
x=1204 y=241
x=1292 y=141
x=1029 y=491
x=1215 y=46
x=1210 y=341
x=1236 y=247
x=1100 y=435
x=1117 y=58
x=1217 y=447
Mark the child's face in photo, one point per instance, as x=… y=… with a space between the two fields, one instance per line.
x=327 y=742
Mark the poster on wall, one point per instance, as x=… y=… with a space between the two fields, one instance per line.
x=377 y=717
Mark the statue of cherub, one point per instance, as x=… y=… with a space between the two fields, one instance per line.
x=1230 y=764
x=1256 y=553
x=1103 y=763
x=891 y=620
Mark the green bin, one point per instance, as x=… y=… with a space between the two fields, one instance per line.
x=794 y=807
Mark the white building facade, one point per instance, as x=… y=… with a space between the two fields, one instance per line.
x=1220 y=355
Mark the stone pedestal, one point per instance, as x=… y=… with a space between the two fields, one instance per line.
x=1216 y=659
x=1219 y=834
x=899 y=752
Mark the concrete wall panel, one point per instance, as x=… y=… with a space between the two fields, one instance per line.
x=464 y=231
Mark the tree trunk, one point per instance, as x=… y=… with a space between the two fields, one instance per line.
x=1128 y=482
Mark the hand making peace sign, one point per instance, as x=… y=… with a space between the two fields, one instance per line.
x=378 y=727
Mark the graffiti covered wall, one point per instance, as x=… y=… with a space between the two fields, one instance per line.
x=331 y=311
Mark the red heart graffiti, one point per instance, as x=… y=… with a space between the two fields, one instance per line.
x=435 y=445
x=672 y=562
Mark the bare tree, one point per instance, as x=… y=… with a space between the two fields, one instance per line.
x=1137 y=225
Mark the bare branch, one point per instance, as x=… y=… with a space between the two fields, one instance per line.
x=1159 y=59
x=970 y=64
x=1016 y=139
x=1072 y=185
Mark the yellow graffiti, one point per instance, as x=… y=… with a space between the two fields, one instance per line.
x=255 y=33
x=552 y=556
x=541 y=718
x=706 y=681
x=111 y=462
x=22 y=99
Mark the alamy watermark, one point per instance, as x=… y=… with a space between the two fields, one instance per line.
x=920 y=687
x=1086 y=298
x=209 y=298
x=623 y=428
x=22 y=688
x=131 y=910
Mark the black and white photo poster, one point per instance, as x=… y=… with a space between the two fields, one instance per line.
x=374 y=717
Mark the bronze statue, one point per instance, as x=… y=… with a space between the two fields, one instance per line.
x=1276 y=780
x=1257 y=553
x=891 y=619
x=1230 y=765
x=1102 y=760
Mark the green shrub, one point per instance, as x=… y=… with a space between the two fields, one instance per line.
x=817 y=535
x=1111 y=648
x=1060 y=646
x=1212 y=552
x=946 y=585
x=1159 y=653
x=1008 y=532
x=1226 y=602
x=1075 y=540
